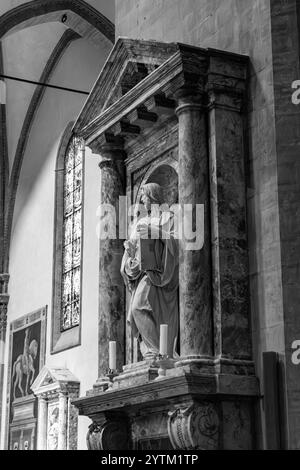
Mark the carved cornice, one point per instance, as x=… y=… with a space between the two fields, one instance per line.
x=49 y=393
x=108 y=146
x=124 y=57
x=52 y=382
x=191 y=76
x=227 y=81
x=190 y=385
x=155 y=84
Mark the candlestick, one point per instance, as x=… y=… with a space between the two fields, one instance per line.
x=163 y=340
x=112 y=355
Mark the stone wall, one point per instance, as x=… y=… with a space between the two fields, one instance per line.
x=240 y=26
x=285 y=18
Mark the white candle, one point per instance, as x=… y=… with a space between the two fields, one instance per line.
x=163 y=340
x=112 y=355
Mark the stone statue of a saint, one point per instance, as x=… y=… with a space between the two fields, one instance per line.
x=154 y=289
x=53 y=429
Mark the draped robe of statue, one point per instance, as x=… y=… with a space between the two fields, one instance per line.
x=154 y=293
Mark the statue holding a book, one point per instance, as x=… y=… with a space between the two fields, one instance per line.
x=150 y=271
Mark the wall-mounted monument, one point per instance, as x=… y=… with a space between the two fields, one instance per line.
x=26 y=358
x=173 y=115
x=57 y=417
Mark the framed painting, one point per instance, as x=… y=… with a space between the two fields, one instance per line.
x=26 y=358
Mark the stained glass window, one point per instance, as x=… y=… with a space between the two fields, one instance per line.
x=72 y=215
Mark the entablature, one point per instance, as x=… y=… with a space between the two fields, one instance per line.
x=142 y=82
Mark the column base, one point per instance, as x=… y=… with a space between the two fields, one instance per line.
x=101 y=385
x=215 y=365
x=137 y=374
x=197 y=364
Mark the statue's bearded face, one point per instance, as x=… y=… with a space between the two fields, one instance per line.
x=146 y=201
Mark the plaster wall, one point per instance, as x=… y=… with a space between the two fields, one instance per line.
x=31 y=256
x=25 y=55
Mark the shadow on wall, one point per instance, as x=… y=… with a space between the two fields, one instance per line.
x=56 y=110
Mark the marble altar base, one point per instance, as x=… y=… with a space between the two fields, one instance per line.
x=182 y=410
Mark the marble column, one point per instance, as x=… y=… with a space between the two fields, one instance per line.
x=42 y=423
x=111 y=284
x=62 y=419
x=232 y=339
x=195 y=263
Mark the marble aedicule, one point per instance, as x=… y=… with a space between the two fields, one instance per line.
x=212 y=386
x=57 y=417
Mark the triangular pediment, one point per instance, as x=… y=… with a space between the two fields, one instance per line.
x=50 y=378
x=129 y=62
x=140 y=84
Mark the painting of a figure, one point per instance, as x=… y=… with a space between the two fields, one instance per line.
x=25 y=360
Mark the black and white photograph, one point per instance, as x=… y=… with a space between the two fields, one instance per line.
x=149 y=228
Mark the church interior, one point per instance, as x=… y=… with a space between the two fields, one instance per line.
x=108 y=342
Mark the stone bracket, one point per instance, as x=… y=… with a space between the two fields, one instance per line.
x=108 y=432
x=194 y=427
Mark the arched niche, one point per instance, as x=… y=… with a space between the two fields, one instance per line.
x=166 y=176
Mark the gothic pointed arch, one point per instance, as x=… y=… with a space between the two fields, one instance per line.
x=93 y=25
x=39 y=11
